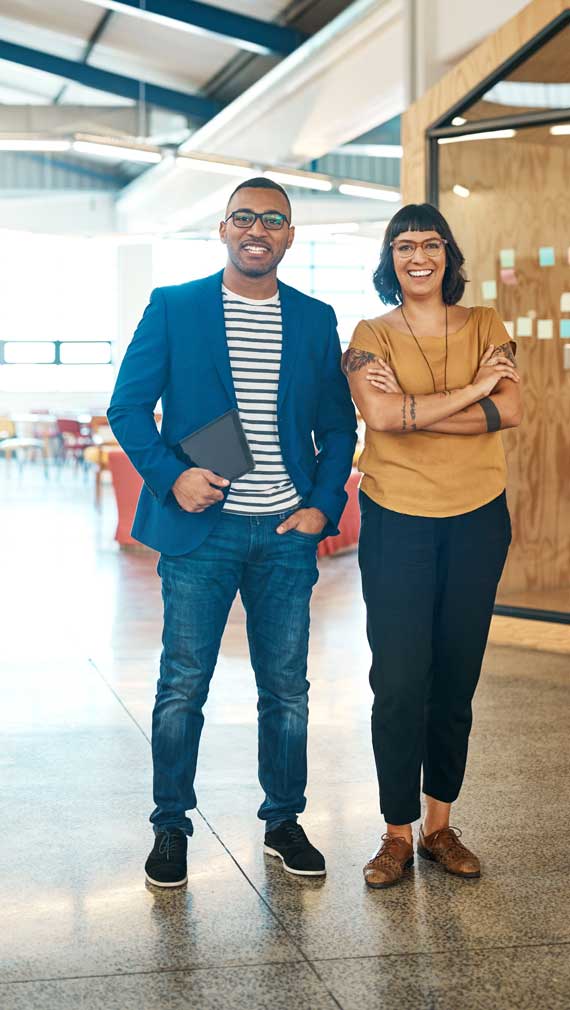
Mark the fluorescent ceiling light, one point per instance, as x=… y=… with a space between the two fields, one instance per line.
x=562 y=130
x=458 y=121
x=371 y=150
x=371 y=192
x=173 y=22
x=342 y=228
x=27 y=144
x=237 y=169
x=486 y=135
x=461 y=190
x=306 y=180
x=116 y=151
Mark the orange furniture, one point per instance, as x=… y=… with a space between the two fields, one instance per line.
x=127 y=485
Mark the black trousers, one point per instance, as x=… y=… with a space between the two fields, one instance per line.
x=429 y=586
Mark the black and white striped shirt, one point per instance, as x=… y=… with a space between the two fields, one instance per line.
x=254 y=335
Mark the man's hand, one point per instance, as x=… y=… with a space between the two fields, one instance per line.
x=304 y=520
x=193 y=489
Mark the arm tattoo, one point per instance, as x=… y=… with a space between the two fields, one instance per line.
x=404 y=422
x=507 y=352
x=353 y=360
x=491 y=413
x=413 y=412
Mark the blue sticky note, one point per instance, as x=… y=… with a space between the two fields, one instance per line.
x=546 y=256
x=565 y=328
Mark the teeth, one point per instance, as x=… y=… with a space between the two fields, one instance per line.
x=419 y=273
x=255 y=248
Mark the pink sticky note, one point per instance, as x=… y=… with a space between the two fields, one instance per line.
x=508 y=276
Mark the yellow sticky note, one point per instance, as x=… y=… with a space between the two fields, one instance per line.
x=507 y=257
x=489 y=289
x=524 y=326
x=510 y=328
x=565 y=301
x=545 y=329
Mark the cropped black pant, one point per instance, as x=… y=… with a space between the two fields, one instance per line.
x=429 y=586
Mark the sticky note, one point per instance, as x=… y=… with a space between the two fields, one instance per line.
x=565 y=328
x=565 y=301
x=524 y=326
x=489 y=289
x=510 y=328
x=545 y=329
x=507 y=257
x=546 y=256
x=508 y=276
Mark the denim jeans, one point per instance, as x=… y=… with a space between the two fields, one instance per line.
x=275 y=574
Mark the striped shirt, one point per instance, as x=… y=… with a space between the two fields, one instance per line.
x=254 y=335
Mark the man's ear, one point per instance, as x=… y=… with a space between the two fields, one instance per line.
x=222 y=232
x=291 y=236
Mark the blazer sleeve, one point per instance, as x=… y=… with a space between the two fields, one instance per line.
x=334 y=434
x=141 y=381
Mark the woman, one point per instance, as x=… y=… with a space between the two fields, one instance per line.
x=434 y=382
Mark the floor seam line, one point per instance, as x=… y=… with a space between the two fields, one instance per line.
x=160 y=971
x=453 y=950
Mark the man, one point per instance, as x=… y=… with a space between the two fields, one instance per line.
x=236 y=339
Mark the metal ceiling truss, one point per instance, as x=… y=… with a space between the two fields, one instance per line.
x=239 y=29
x=195 y=106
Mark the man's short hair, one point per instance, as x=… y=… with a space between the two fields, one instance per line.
x=260 y=182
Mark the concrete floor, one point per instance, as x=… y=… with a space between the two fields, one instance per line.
x=80 y=646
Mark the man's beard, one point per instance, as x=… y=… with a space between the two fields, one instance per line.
x=255 y=270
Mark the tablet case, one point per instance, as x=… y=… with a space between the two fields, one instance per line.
x=220 y=446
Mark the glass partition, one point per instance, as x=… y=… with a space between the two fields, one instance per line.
x=499 y=167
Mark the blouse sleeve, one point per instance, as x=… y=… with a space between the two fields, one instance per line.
x=367 y=338
x=494 y=332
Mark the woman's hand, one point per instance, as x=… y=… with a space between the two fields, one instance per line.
x=492 y=368
x=382 y=377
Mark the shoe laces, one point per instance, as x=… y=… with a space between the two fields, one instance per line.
x=171 y=844
x=294 y=831
x=454 y=834
x=384 y=855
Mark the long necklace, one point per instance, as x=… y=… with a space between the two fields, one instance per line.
x=421 y=350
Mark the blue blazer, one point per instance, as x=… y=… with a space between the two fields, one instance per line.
x=179 y=353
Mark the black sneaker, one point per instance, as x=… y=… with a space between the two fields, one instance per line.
x=289 y=842
x=166 y=864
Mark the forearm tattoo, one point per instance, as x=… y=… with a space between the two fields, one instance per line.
x=413 y=412
x=353 y=360
x=491 y=412
x=507 y=352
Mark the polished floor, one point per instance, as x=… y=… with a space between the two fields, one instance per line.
x=79 y=927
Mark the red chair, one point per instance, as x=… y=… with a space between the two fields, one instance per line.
x=74 y=438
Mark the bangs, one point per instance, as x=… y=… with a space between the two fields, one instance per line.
x=418 y=217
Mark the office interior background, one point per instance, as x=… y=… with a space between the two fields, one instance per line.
x=124 y=127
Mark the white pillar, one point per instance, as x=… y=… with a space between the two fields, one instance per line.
x=134 y=266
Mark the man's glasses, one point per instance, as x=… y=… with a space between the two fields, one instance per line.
x=431 y=246
x=272 y=220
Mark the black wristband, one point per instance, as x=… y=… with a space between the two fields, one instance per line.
x=491 y=413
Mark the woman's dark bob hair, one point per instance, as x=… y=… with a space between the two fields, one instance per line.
x=419 y=217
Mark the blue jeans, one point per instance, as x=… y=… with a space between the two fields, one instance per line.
x=275 y=574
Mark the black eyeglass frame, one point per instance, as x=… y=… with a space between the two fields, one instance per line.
x=246 y=210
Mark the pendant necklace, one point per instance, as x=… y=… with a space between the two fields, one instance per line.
x=420 y=348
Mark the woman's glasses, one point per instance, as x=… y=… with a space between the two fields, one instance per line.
x=270 y=219
x=431 y=246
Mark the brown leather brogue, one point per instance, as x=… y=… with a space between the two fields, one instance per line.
x=444 y=847
x=387 y=867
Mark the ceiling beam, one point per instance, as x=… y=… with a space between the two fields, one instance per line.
x=91 y=43
x=195 y=106
x=239 y=29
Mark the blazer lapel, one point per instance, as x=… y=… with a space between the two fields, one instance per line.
x=214 y=327
x=291 y=340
